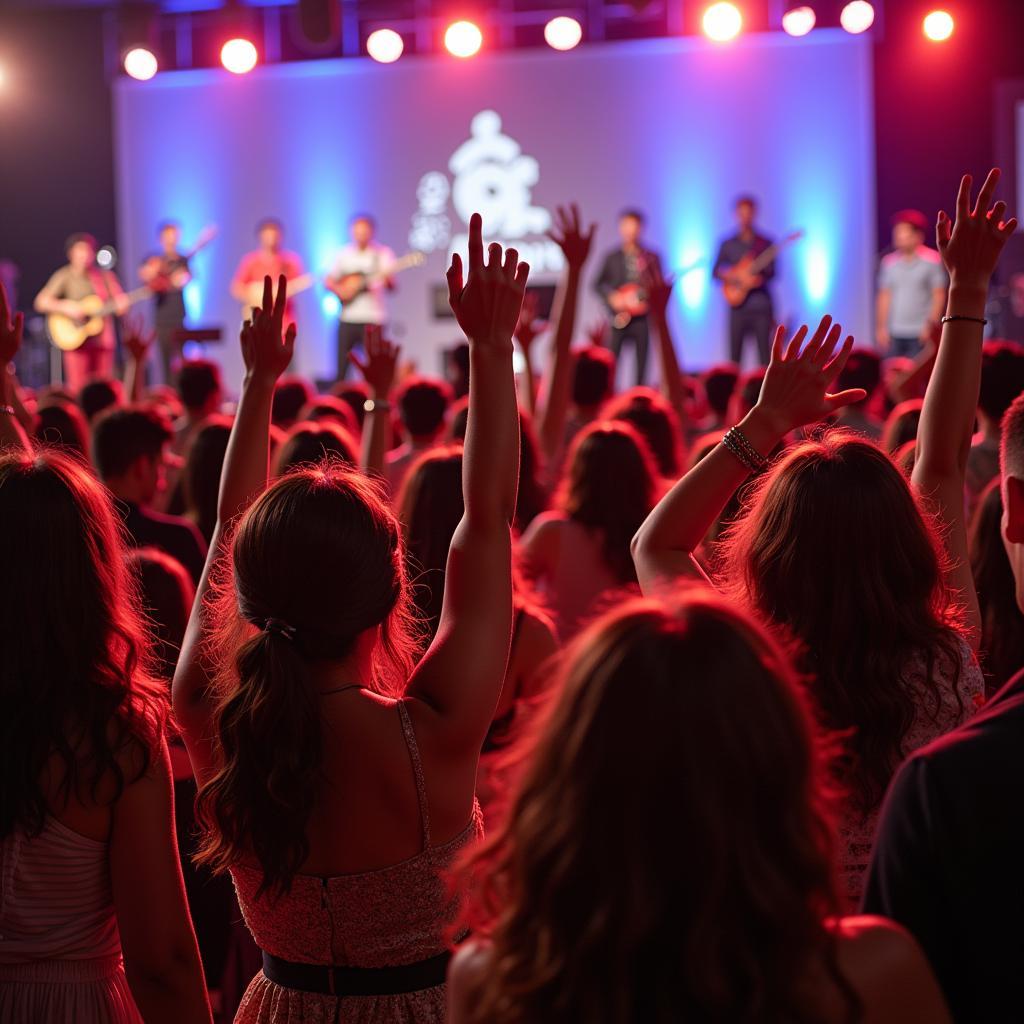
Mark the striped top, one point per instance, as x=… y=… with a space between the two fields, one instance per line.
x=55 y=897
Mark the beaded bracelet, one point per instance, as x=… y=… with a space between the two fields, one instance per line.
x=8 y=410
x=737 y=443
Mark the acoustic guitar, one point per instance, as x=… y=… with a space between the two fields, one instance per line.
x=742 y=278
x=254 y=292
x=68 y=333
x=349 y=286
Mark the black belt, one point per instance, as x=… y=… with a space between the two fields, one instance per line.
x=357 y=981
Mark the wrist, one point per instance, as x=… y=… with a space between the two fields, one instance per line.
x=490 y=345
x=967 y=298
x=765 y=428
x=255 y=381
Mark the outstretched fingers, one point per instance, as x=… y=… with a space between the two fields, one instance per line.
x=455 y=281
x=793 y=348
x=963 y=198
x=987 y=191
x=476 y=242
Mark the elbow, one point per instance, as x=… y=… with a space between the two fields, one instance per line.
x=638 y=545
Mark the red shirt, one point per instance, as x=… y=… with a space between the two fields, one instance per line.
x=257 y=264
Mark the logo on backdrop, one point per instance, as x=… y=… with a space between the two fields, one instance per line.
x=490 y=175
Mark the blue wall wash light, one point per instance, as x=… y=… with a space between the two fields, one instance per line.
x=678 y=127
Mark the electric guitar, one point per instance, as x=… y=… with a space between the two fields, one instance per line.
x=633 y=299
x=163 y=279
x=68 y=333
x=349 y=286
x=742 y=278
x=254 y=292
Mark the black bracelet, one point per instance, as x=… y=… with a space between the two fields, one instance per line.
x=973 y=319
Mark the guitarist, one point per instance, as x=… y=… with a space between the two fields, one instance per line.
x=755 y=315
x=618 y=284
x=78 y=279
x=362 y=256
x=269 y=258
x=167 y=273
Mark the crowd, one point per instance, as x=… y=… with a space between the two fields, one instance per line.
x=511 y=699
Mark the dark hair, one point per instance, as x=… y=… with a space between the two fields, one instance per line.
x=422 y=403
x=122 y=436
x=458 y=419
x=719 y=384
x=198 y=381
x=915 y=218
x=167 y=594
x=321 y=551
x=1002 y=377
x=99 y=395
x=270 y=222
x=838 y=509
x=863 y=369
x=633 y=213
x=609 y=486
x=63 y=425
x=531 y=496
x=458 y=357
x=290 y=395
x=1002 y=623
x=74 y=678
x=747 y=392
x=365 y=217
x=204 y=462
x=167 y=225
x=588 y=909
x=336 y=410
x=79 y=236
x=745 y=200
x=309 y=443
x=901 y=424
x=1011 y=444
x=593 y=375
x=354 y=394
x=657 y=421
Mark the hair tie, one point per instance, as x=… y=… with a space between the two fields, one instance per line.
x=279 y=628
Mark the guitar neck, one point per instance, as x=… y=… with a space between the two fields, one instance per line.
x=132 y=297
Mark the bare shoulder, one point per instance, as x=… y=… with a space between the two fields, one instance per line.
x=466 y=971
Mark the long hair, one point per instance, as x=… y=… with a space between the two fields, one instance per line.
x=834 y=549
x=609 y=487
x=668 y=853
x=319 y=554
x=74 y=675
x=204 y=462
x=657 y=422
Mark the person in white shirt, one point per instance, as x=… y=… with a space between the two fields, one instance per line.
x=360 y=277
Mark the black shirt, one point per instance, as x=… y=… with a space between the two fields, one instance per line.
x=948 y=862
x=734 y=249
x=175 y=536
x=169 y=305
x=620 y=268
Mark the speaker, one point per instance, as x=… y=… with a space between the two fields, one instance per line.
x=320 y=20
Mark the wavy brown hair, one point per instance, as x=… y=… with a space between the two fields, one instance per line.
x=668 y=854
x=835 y=550
x=75 y=678
x=320 y=551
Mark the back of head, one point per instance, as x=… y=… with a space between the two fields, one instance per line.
x=458 y=419
x=863 y=369
x=531 y=495
x=1002 y=378
x=72 y=654
x=593 y=376
x=610 y=486
x=99 y=395
x=901 y=424
x=199 y=385
x=746 y=394
x=123 y=435
x=316 y=563
x=834 y=550
x=167 y=596
x=204 y=461
x=719 y=385
x=422 y=404
x=309 y=443
x=656 y=420
x=63 y=425
x=354 y=394
x=290 y=395
x=457 y=365
x=327 y=407
x=668 y=848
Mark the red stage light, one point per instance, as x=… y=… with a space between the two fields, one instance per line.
x=385 y=45
x=857 y=16
x=463 y=39
x=722 y=22
x=798 y=21
x=563 y=33
x=238 y=56
x=938 y=26
x=140 y=63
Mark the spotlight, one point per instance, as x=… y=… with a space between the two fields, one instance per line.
x=3 y=76
x=238 y=56
x=106 y=257
x=385 y=45
x=798 y=21
x=857 y=16
x=463 y=39
x=562 y=33
x=141 y=63
x=938 y=26
x=722 y=22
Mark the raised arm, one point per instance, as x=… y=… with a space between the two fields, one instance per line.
x=378 y=370
x=793 y=394
x=460 y=676
x=659 y=290
x=11 y=328
x=137 y=343
x=527 y=330
x=970 y=248
x=266 y=351
x=575 y=243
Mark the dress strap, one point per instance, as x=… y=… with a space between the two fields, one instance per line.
x=417 y=771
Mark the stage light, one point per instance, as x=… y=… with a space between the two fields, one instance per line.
x=238 y=56
x=385 y=45
x=463 y=39
x=938 y=26
x=106 y=257
x=798 y=21
x=722 y=22
x=141 y=63
x=3 y=76
x=563 y=33
x=857 y=16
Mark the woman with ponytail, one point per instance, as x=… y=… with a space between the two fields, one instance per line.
x=336 y=781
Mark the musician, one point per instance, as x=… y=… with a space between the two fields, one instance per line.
x=269 y=258
x=167 y=272
x=79 y=279
x=618 y=285
x=755 y=315
x=363 y=266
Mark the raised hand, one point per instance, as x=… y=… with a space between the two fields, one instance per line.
x=597 y=333
x=488 y=303
x=265 y=349
x=137 y=340
x=10 y=331
x=569 y=236
x=970 y=245
x=528 y=327
x=794 y=392
x=380 y=363
x=657 y=287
